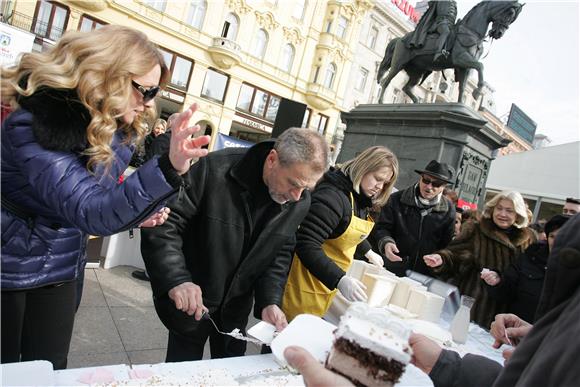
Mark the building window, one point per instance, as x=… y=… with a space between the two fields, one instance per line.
x=306 y=120
x=215 y=85
x=341 y=28
x=260 y=44
x=231 y=25
x=179 y=68
x=88 y=23
x=329 y=76
x=316 y=74
x=299 y=7
x=328 y=25
x=372 y=38
x=51 y=20
x=196 y=13
x=258 y=102
x=361 y=82
x=287 y=57
x=245 y=98
x=157 y=4
x=319 y=123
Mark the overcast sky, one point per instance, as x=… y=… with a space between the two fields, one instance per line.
x=535 y=65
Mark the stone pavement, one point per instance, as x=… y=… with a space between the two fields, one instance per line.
x=116 y=322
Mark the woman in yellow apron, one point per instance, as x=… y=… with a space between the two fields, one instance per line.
x=338 y=222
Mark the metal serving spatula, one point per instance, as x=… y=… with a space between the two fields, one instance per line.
x=236 y=334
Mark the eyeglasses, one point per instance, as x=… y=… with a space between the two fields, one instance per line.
x=148 y=94
x=433 y=182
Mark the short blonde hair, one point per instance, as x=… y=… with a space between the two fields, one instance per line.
x=519 y=206
x=160 y=121
x=99 y=65
x=371 y=160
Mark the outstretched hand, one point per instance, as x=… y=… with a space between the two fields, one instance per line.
x=312 y=371
x=183 y=148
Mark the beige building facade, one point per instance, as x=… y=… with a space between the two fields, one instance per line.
x=242 y=60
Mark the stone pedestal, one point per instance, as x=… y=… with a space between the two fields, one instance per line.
x=418 y=133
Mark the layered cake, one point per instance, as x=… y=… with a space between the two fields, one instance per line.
x=371 y=347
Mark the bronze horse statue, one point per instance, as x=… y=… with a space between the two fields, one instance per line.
x=466 y=48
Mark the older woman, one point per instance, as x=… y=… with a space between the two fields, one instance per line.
x=493 y=243
x=338 y=221
x=80 y=108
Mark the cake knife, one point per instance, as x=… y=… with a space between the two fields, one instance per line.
x=236 y=334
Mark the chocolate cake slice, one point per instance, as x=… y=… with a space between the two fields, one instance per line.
x=370 y=347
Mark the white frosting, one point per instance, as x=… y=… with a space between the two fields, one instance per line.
x=376 y=330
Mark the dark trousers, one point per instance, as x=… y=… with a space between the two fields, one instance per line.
x=37 y=324
x=187 y=337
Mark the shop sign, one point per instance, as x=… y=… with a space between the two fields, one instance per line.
x=407 y=9
x=172 y=96
x=223 y=141
x=13 y=42
x=253 y=124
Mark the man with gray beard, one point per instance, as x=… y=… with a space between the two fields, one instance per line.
x=229 y=240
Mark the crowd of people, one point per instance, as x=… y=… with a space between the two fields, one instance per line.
x=271 y=228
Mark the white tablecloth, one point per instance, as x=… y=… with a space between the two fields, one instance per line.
x=257 y=370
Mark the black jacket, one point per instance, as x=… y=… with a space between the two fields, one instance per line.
x=521 y=283
x=401 y=222
x=328 y=218
x=208 y=238
x=548 y=354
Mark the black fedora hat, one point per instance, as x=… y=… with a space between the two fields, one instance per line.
x=441 y=171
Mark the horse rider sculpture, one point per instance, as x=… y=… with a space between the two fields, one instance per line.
x=439 y=17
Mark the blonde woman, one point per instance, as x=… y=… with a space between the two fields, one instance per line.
x=338 y=221
x=79 y=109
x=493 y=243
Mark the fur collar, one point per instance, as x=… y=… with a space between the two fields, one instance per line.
x=60 y=120
x=516 y=238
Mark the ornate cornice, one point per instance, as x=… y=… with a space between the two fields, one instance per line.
x=90 y=5
x=338 y=54
x=357 y=9
x=239 y=6
x=293 y=35
x=266 y=20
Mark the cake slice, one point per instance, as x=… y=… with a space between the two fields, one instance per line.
x=370 y=347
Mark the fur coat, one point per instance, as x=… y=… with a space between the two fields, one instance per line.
x=482 y=245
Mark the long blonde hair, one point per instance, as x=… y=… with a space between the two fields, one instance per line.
x=370 y=160
x=99 y=65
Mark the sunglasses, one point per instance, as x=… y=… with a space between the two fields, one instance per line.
x=148 y=94
x=434 y=183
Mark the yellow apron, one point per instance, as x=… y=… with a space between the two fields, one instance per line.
x=304 y=293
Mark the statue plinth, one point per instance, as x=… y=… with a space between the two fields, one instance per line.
x=418 y=133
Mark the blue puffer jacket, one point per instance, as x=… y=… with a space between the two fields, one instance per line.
x=44 y=173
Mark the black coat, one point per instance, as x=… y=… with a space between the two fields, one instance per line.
x=401 y=222
x=521 y=283
x=328 y=218
x=208 y=238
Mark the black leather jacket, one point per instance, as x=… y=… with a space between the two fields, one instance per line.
x=206 y=238
x=401 y=222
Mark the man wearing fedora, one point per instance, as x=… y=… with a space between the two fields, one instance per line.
x=417 y=220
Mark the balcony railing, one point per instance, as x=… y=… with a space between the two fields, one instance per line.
x=39 y=28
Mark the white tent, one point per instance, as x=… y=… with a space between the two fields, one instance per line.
x=545 y=175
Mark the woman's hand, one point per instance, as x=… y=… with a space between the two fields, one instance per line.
x=490 y=277
x=183 y=148
x=157 y=219
x=433 y=260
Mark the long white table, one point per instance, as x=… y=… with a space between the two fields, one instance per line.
x=257 y=370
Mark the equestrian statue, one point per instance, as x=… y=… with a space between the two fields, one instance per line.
x=438 y=43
